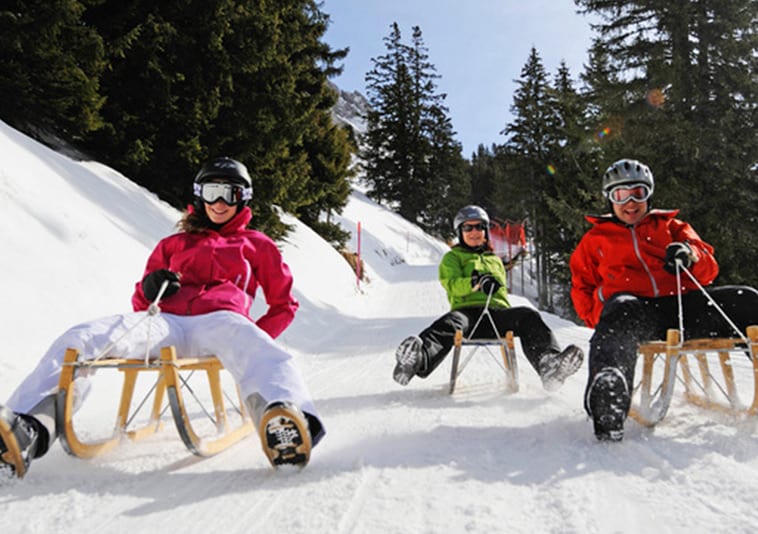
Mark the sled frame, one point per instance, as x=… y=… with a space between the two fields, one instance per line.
x=169 y=384
x=13 y=454
x=506 y=361
x=651 y=401
x=714 y=387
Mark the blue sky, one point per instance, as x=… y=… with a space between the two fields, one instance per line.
x=477 y=46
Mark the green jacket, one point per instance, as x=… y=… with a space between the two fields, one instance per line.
x=455 y=276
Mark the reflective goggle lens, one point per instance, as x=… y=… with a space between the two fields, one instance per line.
x=624 y=193
x=469 y=227
x=230 y=194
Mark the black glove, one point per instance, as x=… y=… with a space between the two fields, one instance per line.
x=488 y=284
x=475 y=276
x=678 y=251
x=152 y=283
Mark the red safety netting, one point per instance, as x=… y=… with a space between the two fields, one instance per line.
x=508 y=239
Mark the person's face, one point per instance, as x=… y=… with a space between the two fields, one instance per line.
x=219 y=212
x=630 y=202
x=473 y=233
x=631 y=211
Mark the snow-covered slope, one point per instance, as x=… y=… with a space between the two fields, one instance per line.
x=395 y=460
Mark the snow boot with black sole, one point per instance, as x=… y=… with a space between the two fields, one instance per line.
x=608 y=402
x=409 y=356
x=556 y=368
x=284 y=434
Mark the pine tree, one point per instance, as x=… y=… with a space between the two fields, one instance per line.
x=531 y=146
x=411 y=159
x=485 y=174
x=689 y=111
x=249 y=82
x=329 y=152
x=575 y=182
x=603 y=103
x=388 y=87
x=50 y=67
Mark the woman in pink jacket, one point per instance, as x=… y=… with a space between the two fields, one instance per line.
x=212 y=270
x=624 y=285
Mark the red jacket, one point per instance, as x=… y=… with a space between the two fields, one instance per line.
x=221 y=270
x=615 y=258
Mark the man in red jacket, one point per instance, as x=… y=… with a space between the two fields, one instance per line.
x=624 y=285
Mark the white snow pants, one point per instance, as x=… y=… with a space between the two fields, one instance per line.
x=248 y=353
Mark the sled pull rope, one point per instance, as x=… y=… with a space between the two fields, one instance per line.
x=679 y=267
x=710 y=299
x=152 y=310
x=486 y=312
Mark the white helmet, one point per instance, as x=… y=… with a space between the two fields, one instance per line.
x=470 y=213
x=627 y=172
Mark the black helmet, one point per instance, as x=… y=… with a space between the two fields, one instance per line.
x=470 y=213
x=227 y=168
x=627 y=172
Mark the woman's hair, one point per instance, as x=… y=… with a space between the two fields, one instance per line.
x=195 y=221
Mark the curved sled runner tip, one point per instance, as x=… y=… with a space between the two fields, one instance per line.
x=716 y=388
x=12 y=454
x=227 y=436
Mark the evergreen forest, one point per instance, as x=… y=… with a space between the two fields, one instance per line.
x=672 y=84
x=146 y=89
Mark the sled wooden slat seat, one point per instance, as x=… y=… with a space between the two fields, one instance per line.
x=714 y=382
x=712 y=386
x=169 y=383
x=507 y=361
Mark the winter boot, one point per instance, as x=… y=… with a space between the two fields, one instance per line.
x=284 y=435
x=555 y=368
x=19 y=438
x=608 y=404
x=410 y=358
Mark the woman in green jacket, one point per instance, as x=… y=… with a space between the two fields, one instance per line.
x=471 y=274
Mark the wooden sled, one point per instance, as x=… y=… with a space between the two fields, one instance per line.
x=171 y=379
x=12 y=452
x=716 y=387
x=507 y=361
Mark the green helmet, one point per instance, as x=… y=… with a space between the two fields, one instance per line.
x=627 y=172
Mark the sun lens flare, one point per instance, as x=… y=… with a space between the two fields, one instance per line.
x=655 y=98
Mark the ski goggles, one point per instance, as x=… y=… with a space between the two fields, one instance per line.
x=231 y=194
x=466 y=228
x=621 y=194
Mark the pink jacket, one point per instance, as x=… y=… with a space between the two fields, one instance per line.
x=221 y=270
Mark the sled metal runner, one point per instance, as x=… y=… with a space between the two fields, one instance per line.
x=506 y=361
x=709 y=372
x=171 y=380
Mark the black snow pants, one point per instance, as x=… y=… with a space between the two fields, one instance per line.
x=525 y=323
x=627 y=321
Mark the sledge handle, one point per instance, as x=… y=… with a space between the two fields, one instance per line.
x=154 y=309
